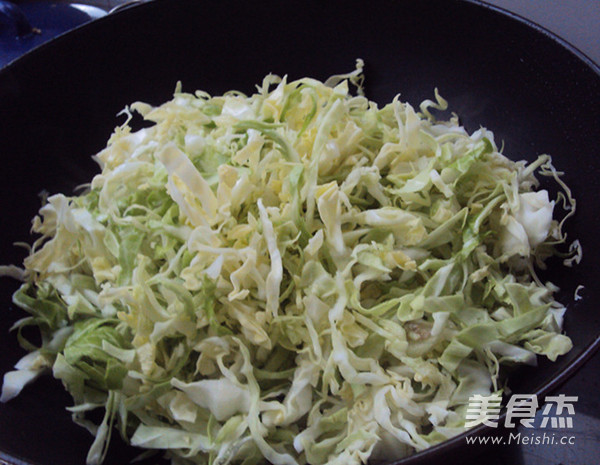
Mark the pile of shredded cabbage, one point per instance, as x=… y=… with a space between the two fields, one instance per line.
x=298 y=276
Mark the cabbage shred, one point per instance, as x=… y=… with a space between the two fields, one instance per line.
x=298 y=276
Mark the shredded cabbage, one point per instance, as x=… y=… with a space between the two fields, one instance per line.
x=299 y=276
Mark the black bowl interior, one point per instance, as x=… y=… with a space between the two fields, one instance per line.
x=58 y=106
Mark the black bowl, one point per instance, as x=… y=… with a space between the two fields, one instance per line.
x=58 y=106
